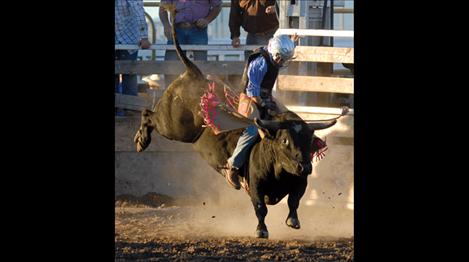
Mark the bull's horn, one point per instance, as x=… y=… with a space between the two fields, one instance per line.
x=344 y=112
x=267 y=124
x=323 y=125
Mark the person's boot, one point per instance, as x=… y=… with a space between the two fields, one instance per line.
x=232 y=176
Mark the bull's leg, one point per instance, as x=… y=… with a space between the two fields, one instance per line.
x=293 y=203
x=143 y=136
x=261 y=212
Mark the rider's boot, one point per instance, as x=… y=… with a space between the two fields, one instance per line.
x=232 y=176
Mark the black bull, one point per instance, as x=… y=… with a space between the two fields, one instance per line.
x=278 y=164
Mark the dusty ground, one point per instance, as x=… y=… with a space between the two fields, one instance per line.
x=159 y=228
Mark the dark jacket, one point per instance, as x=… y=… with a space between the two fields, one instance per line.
x=250 y=14
x=270 y=76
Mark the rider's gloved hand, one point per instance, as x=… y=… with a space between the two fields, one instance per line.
x=269 y=106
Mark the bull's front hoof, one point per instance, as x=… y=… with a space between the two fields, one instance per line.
x=293 y=223
x=262 y=233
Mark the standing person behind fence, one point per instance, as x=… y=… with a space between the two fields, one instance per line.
x=131 y=29
x=191 y=21
x=257 y=17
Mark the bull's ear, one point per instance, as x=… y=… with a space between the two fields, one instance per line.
x=266 y=128
x=261 y=133
x=266 y=133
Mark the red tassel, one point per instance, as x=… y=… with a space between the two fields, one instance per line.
x=231 y=99
x=319 y=149
x=208 y=102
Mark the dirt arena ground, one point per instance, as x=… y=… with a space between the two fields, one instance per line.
x=159 y=228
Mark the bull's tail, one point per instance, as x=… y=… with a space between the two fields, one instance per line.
x=191 y=68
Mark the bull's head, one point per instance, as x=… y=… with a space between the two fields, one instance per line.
x=291 y=142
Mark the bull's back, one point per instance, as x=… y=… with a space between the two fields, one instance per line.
x=178 y=110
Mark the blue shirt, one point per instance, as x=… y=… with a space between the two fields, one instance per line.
x=130 y=24
x=256 y=72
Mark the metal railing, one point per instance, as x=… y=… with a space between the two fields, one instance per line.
x=337 y=11
x=289 y=82
x=153 y=34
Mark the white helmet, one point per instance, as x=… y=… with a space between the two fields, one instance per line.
x=281 y=46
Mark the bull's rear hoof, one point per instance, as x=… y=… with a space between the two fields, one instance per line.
x=262 y=233
x=293 y=223
x=137 y=136
x=140 y=148
x=141 y=141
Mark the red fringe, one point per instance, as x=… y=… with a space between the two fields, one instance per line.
x=231 y=99
x=319 y=149
x=208 y=102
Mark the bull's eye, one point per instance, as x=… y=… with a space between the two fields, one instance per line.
x=285 y=141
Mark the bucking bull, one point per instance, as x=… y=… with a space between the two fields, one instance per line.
x=278 y=164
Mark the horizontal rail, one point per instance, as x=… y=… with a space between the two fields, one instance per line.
x=191 y=47
x=176 y=67
x=139 y=103
x=315 y=84
x=228 y=4
x=315 y=32
x=343 y=10
x=157 y=4
x=131 y=102
x=148 y=67
x=302 y=53
x=324 y=54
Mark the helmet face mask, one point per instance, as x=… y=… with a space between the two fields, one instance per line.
x=280 y=61
x=281 y=48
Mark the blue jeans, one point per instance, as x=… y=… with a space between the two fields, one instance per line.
x=243 y=147
x=129 y=82
x=187 y=36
